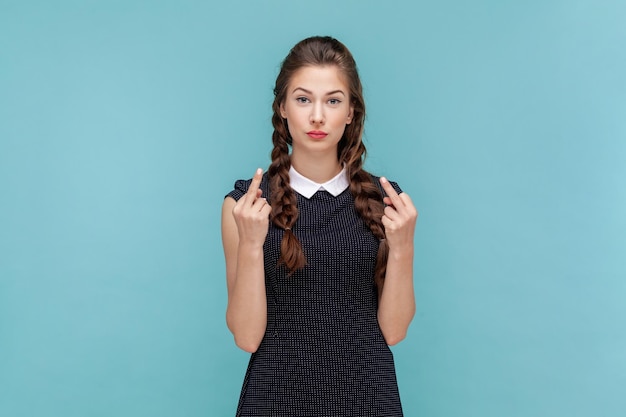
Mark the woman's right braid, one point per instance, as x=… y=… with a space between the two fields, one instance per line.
x=368 y=202
x=283 y=198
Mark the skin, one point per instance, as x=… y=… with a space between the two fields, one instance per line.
x=317 y=100
x=396 y=306
x=244 y=226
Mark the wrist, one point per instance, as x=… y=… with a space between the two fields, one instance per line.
x=404 y=252
x=250 y=247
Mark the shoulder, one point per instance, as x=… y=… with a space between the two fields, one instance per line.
x=241 y=188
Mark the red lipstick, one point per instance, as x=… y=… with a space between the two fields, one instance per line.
x=317 y=134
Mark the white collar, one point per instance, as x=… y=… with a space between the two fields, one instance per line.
x=307 y=188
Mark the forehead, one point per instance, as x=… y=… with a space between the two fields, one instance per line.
x=319 y=79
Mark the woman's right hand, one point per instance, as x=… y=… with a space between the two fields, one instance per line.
x=252 y=213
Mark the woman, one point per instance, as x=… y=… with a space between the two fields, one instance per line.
x=319 y=253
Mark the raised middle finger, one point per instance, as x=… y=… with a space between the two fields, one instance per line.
x=396 y=201
x=252 y=194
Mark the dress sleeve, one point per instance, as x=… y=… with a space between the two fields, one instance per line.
x=395 y=187
x=240 y=189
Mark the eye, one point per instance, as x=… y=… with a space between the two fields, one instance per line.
x=302 y=100
x=334 y=101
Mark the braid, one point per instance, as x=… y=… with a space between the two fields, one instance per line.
x=368 y=202
x=283 y=198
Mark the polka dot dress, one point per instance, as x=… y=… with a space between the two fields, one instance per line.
x=323 y=353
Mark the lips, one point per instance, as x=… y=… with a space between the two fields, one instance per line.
x=317 y=134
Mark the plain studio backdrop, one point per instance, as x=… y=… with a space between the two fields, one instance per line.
x=124 y=123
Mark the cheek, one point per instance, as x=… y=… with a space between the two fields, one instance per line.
x=341 y=119
x=290 y=127
x=290 y=113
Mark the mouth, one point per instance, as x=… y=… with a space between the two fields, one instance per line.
x=317 y=134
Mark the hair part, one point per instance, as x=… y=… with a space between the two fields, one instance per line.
x=323 y=51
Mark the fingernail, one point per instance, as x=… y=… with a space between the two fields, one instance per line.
x=258 y=171
x=383 y=179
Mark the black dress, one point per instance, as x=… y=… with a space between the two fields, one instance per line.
x=323 y=353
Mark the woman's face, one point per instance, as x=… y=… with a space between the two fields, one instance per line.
x=317 y=108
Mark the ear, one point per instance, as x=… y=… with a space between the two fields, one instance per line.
x=283 y=113
x=350 y=115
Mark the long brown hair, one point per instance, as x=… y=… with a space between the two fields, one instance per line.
x=323 y=51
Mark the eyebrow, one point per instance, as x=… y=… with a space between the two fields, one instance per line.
x=310 y=92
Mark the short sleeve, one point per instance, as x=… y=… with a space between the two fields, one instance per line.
x=241 y=188
x=395 y=187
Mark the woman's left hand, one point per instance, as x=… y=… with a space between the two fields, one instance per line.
x=399 y=218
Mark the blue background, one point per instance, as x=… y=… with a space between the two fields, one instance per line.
x=123 y=124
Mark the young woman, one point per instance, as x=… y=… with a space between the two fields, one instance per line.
x=319 y=253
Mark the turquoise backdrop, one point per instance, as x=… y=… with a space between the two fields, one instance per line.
x=123 y=123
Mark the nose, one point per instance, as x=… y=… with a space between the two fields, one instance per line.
x=317 y=114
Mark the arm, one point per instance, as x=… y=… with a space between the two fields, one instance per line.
x=396 y=306
x=244 y=227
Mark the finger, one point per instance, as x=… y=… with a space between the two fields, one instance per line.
x=259 y=204
x=252 y=193
x=391 y=213
x=266 y=210
x=409 y=207
x=386 y=221
x=408 y=204
x=406 y=199
x=391 y=193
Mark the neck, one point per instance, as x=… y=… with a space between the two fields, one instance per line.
x=318 y=170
